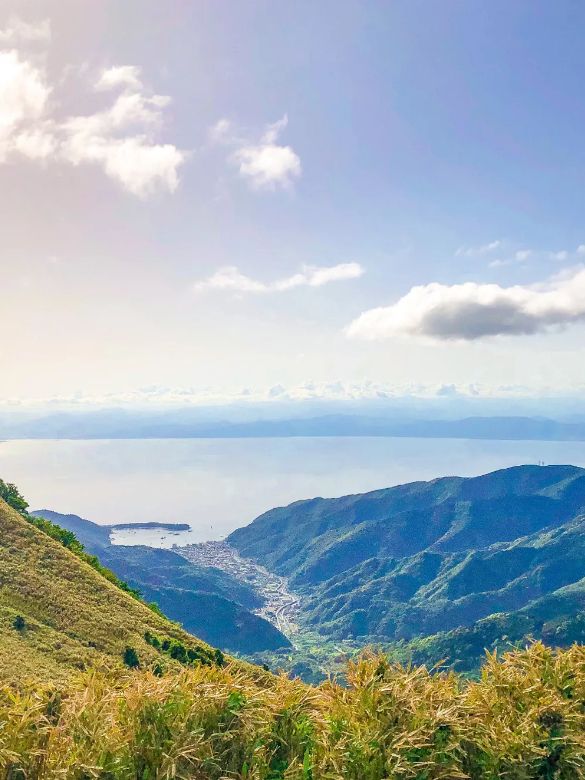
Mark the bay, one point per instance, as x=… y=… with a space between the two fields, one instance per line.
x=217 y=485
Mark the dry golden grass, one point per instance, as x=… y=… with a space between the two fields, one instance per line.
x=525 y=718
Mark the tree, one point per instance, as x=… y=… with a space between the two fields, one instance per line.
x=219 y=657
x=10 y=494
x=131 y=658
x=19 y=623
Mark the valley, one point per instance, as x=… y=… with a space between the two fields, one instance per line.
x=280 y=607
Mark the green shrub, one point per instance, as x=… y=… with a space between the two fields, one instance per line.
x=13 y=498
x=131 y=658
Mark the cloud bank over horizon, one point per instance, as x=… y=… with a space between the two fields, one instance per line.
x=473 y=311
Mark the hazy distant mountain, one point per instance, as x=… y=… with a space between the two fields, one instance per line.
x=189 y=423
x=428 y=557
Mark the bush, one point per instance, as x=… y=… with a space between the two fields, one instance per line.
x=10 y=494
x=219 y=657
x=19 y=623
x=131 y=658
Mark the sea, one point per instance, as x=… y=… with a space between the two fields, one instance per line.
x=218 y=485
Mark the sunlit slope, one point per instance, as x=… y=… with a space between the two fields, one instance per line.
x=73 y=617
x=490 y=557
x=208 y=602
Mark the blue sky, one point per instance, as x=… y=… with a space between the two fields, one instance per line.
x=331 y=156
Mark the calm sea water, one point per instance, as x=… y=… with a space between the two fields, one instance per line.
x=217 y=485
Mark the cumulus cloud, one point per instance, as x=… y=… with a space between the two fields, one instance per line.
x=127 y=76
x=220 y=132
x=483 y=249
x=24 y=96
x=562 y=255
x=522 y=254
x=18 y=31
x=471 y=311
x=231 y=279
x=266 y=164
x=121 y=139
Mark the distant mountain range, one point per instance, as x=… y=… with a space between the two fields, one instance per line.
x=206 y=601
x=450 y=566
x=117 y=424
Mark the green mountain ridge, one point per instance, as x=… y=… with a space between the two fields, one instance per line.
x=462 y=562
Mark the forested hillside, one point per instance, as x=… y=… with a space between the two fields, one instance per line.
x=442 y=556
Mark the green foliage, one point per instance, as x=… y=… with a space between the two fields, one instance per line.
x=184 y=654
x=130 y=658
x=19 y=623
x=219 y=657
x=10 y=494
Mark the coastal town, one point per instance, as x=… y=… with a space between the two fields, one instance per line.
x=281 y=607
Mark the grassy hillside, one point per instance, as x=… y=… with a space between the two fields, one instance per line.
x=58 y=615
x=438 y=557
x=209 y=603
x=524 y=719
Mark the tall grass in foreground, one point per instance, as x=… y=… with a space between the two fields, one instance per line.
x=524 y=718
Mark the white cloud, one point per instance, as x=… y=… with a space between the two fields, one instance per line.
x=127 y=76
x=266 y=164
x=581 y=249
x=561 y=256
x=134 y=160
x=19 y=31
x=37 y=144
x=161 y=397
x=120 y=139
x=472 y=251
x=471 y=311
x=24 y=96
x=522 y=254
x=230 y=279
x=220 y=131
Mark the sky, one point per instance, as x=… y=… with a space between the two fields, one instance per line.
x=218 y=200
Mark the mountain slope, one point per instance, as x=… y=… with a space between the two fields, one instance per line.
x=437 y=556
x=73 y=617
x=208 y=602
